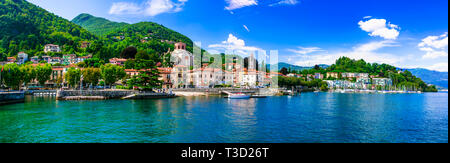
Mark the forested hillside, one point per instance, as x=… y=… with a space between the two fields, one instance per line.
x=133 y=34
x=96 y=25
x=26 y=27
x=400 y=78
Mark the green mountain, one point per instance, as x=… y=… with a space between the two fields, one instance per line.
x=27 y=27
x=295 y=67
x=432 y=77
x=132 y=33
x=96 y=25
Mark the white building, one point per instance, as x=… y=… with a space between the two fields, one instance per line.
x=355 y=75
x=22 y=57
x=382 y=81
x=52 y=48
x=180 y=56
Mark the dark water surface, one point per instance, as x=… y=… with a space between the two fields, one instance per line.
x=309 y=118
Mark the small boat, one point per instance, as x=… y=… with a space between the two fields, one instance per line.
x=238 y=96
x=258 y=96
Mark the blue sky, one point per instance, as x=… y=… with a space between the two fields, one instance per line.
x=406 y=34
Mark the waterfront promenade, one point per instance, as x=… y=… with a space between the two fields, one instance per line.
x=107 y=94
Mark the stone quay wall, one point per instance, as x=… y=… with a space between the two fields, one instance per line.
x=219 y=91
x=107 y=94
x=11 y=97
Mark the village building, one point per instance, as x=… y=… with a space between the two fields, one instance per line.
x=180 y=56
x=249 y=78
x=382 y=81
x=58 y=72
x=131 y=72
x=35 y=59
x=22 y=57
x=333 y=75
x=69 y=59
x=180 y=76
x=355 y=75
x=52 y=48
x=117 y=61
x=83 y=58
x=11 y=60
x=85 y=44
x=164 y=76
x=318 y=76
x=55 y=60
x=293 y=75
x=47 y=58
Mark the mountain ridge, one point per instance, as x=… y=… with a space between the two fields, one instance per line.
x=97 y=25
x=144 y=31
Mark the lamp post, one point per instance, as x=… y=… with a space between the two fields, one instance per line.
x=81 y=85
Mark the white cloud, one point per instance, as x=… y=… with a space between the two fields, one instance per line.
x=148 y=8
x=285 y=2
x=442 y=67
x=435 y=46
x=236 y=4
x=305 y=50
x=235 y=45
x=124 y=8
x=246 y=28
x=379 y=27
x=367 y=17
x=367 y=51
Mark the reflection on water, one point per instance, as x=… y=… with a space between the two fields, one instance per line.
x=311 y=117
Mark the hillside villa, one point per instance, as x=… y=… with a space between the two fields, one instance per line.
x=52 y=48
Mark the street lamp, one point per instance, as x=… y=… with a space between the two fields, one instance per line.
x=81 y=85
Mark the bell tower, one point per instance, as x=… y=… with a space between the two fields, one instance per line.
x=180 y=46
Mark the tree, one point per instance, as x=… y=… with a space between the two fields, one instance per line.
x=73 y=76
x=43 y=73
x=112 y=73
x=317 y=67
x=29 y=73
x=147 y=80
x=142 y=55
x=91 y=75
x=129 y=53
x=93 y=62
x=12 y=76
x=59 y=81
x=284 y=71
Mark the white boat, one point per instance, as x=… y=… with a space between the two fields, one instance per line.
x=238 y=96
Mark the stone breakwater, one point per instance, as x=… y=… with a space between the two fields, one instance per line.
x=93 y=94
x=11 y=97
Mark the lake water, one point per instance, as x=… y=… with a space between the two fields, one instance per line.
x=308 y=118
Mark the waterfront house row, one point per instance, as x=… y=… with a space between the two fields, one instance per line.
x=182 y=77
x=67 y=59
x=361 y=83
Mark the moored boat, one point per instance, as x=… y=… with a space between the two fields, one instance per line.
x=238 y=96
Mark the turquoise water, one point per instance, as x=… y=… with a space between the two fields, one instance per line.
x=309 y=118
